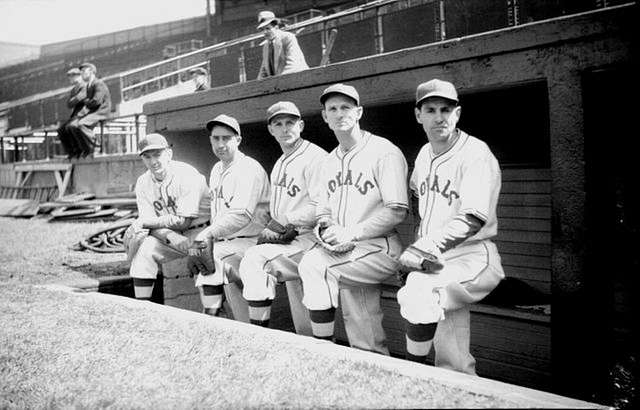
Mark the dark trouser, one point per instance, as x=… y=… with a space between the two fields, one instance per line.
x=68 y=141
x=82 y=131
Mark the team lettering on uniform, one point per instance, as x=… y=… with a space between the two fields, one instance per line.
x=291 y=187
x=216 y=193
x=363 y=186
x=434 y=186
x=159 y=205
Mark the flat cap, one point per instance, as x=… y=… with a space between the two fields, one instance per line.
x=283 y=107
x=225 y=120
x=340 y=88
x=436 y=88
x=150 y=142
x=74 y=71
x=88 y=65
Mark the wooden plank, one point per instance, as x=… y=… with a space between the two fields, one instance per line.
x=526 y=174
x=524 y=200
x=18 y=207
x=104 y=202
x=541 y=212
x=519 y=248
x=529 y=274
x=526 y=261
x=523 y=236
x=514 y=374
x=526 y=187
x=42 y=167
x=529 y=225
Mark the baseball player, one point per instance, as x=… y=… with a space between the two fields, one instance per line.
x=295 y=191
x=365 y=197
x=453 y=263
x=173 y=206
x=239 y=208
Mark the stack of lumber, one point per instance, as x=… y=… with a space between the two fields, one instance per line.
x=85 y=207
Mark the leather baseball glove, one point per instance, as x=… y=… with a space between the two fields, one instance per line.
x=200 y=259
x=277 y=233
x=422 y=256
x=338 y=247
x=132 y=239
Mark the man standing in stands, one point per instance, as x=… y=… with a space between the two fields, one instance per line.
x=97 y=106
x=281 y=53
x=75 y=102
x=200 y=78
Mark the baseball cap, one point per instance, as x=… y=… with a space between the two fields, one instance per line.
x=93 y=67
x=198 y=70
x=436 y=88
x=265 y=18
x=150 y=142
x=282 y=107
x=225 y=120
x=74 y=71
x=343 y=89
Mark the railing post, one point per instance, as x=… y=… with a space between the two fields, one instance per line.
x=46 y=145
x=134 y=147
x=15 y=149
x=102 y=136
x=379 y=35
x=121 y=79
x=513 y=13
x=24 y=149
x=242 y=73
x=441 y=33
x=1 y=150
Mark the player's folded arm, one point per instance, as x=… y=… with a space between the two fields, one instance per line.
x=380 y=223
x=226 y=225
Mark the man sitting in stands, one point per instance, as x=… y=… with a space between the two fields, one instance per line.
x=75 y=102
x=200 y=78
x=97 y=106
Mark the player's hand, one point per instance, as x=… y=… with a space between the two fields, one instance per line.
x=136 y=225
x=335 y=234
x=269 y=234
x=179 y=242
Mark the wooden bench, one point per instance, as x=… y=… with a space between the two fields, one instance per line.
x=509 y=343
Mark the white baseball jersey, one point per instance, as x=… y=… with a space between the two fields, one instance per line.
x=295 y=185
x=242 y=187
x=445 y=188
x=183 y=192
x=371 y=175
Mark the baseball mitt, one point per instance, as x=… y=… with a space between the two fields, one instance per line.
x=422 y=256
x=277 y=233
x=132 y=239
x=341 y=247
x=200 y=259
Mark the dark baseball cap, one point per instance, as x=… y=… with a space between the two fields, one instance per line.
x=150 y=142
x=340 y=88
x=225 y=120
x=436 y=88
x=88 y=65
x=282 y=107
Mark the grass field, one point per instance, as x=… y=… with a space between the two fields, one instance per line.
x=64 y=349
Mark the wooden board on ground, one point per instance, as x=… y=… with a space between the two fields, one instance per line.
x=18 y=207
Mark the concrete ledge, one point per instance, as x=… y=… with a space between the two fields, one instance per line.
x=519 y=396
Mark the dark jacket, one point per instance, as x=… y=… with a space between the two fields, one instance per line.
x=98 y=99
x=76 y=98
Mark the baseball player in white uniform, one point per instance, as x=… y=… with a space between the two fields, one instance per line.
x=295 y=190
x=173 y=206
x=239 y=210
x=453 y=263
x=365 y=197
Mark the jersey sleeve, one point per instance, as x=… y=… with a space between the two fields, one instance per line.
x=392 y=179
x=480 y=186
x=188 y=203
x=144 y=200
x=251 y=188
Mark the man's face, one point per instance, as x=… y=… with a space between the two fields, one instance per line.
x=224 y=143
x=75 y=79
x=439 y=118
x=198 y=79
x=86 y=73
x=341 y=113
x=157 y=161
x=269 y=32
x=286 y=129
